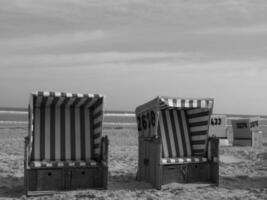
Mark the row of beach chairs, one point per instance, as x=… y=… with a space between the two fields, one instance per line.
x=65 y=150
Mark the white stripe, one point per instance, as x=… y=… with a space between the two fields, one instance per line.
x=77 y=134
x=98 y=130
x=163 y=137
x=13 y=112
x=57 y=94
x=178 y=133
x=186 y=104
x=87 y=135
x=199 y=128
x=69 y=94
x=99 y=108
x=47 y=133
x=198 y=119
x=97 y=150
x=199 y=137
x=178 y=103
x=91 y=103
x=203 y=104
x=170 y=102
x=99 y=119
x=60 y=101
x=37 y=134
x=57 y=134
x=67 y=134
x=81 y=102
x=97 y=140
x=49 y=101
x=46 y=93
x=199 y=146
x=194 y=103
x=119 y=115
x=170 y=133
x=186 y=134
x=70 y=102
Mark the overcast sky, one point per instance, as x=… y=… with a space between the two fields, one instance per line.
x=132 y=51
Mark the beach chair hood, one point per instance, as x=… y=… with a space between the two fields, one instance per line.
x=182 y=124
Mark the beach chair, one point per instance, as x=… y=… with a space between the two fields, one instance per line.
x=64 y=149
x=174 y=145
x=245 y=131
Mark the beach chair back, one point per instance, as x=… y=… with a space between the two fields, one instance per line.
x=65 y=126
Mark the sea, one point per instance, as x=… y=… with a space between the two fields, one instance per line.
x=117 y=119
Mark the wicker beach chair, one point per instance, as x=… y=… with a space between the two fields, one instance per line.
x=64 y=149
x=174 y=145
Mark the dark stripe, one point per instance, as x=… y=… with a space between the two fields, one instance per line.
x=191 y=103
x=97 y=114
x=42 y=133
x=182 y=131
x=97 y=125
x=91 y=135
x=82 y=126
x=42 y=128
x=198 y=151
x=160 y=136
x=34 y=128
x=182 y=103
x=63 y=129
x=203 y=123
x=96 y=146
x=86 y=102
x=166 y=132
x=175 y=102
x=97 y=103
x=174 y=131
x=199 y=133
x=195 y=142
x=52 y=133
x=72 y=132
x=238 y=138
x=202 y=114
x=199 y=103
x=188 y=130
x=97 y=135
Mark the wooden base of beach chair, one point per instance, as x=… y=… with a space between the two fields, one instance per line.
x=53 y=180
x=151 y=170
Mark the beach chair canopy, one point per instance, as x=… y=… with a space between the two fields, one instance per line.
x=182 y=124
x=65 y=126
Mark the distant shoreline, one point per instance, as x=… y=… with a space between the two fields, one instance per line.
x=19 y=110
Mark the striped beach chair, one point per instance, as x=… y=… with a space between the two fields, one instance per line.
x=64 y=149
x=174 y=144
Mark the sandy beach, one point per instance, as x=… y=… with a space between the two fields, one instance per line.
x=243 y=172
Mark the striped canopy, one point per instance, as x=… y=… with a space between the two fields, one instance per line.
x=182 y=124
x=65 y=126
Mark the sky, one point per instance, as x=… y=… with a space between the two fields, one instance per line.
x=132 y=51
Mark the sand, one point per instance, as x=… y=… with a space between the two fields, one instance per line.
x=243 y=172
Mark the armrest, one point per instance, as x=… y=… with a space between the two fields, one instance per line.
x=104 y=149
x=26 y=151
x=213 y=149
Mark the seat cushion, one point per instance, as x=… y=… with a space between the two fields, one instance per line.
x=46 y=164
x=183 y=160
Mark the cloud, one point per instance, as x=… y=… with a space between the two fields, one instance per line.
x=260 y=29
x=51 y=41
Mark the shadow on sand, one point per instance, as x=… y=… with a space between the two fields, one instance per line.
x=243 y=182
x=11 y=187
x=126 y=182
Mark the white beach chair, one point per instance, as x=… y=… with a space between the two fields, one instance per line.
x=174 y=145
x=64 y=149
